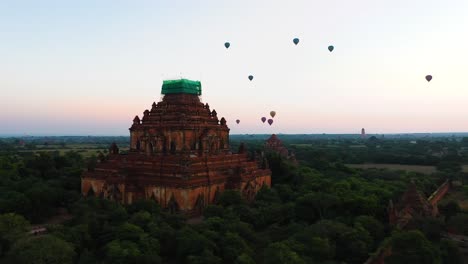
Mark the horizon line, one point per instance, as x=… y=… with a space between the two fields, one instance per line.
x=241 y=134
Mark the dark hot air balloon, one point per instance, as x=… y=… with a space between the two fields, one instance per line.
x=250 y=77
x=428 y=78
x=296 y=41
x=227 y=45
x=270 y=121
x=263 y=119
x=237 y=121
x=273 y=113
x=330 y=48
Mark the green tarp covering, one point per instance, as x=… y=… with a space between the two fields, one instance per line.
x=181 y=86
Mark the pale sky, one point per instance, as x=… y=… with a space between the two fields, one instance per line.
x=88 y=67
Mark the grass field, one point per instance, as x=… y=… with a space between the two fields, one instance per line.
x=459 y=195
x=85 y=150
x=415 y=168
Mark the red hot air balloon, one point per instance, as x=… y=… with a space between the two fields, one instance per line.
x=270 y=121
x=428 y=78
x=237 y=121
x=263 y=119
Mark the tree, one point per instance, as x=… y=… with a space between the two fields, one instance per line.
x=431 y=227
x=149 y=206
x=80 y=236
x=314 y=206
x=191 y=243
x=118 y=251
x=129 y=232
x=449 y=209
x=457 y=224
x=233 y=246
x=46 y=249
x=12 y=228
x=412 y=248
x=352 y=246
x=318 y=248
x=244 y=259
x=230 y=197
x=372 y=225
x=207 y=257
x=279 y=252
x=450 y=252
x=449 y=166
x=213 y=210
x=141 y=219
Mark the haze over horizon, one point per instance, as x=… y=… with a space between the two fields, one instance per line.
x=87 y=68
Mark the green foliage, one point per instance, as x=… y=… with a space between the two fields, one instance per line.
x=244 y=259
x=457 y=224
x=431 y=227
x=230 y=197
x=129 y=232
x=412 y=248
x=315 y=206
x=118 y=251
x=318 y=212
x=12 y=228
x=449 y=209
x=232 y=246
x=449 y=166
x=353 y=246
x=190 y=242
x=149 y=206
x=141 y=219
x=213 y=210
x=450 y=253
x=372 y=226
x=279 y=252
x=207 y=257
x=41 y=250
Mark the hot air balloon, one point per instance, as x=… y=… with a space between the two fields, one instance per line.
x=296 y=41
x=428 y=78
x=270 y=121
x=227 y=45
x=263 y=119
x=330 y=48
x=237 y=121
x=250 y=77
x=273 y=113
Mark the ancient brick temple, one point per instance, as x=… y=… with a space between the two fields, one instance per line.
x=179 y=156
x=274 y=144
x=411 y=204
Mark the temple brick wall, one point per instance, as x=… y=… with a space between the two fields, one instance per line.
x=440 y=193
x=179 y=156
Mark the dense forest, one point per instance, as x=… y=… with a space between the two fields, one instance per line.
x=319 y=211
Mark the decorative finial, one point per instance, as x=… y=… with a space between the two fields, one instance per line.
x=114 y=150
x=223 y=121
x=136 y=120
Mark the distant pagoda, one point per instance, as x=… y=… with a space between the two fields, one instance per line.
x=179 y=156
